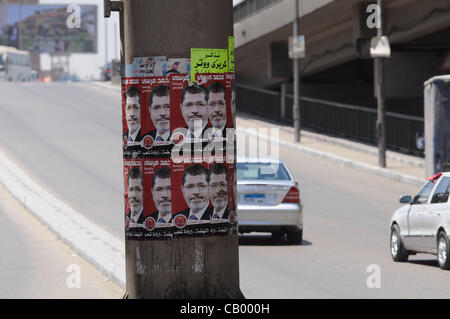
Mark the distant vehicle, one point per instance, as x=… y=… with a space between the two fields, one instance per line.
x=69 y=78
x=268 y=199
x=107 y=72
x=34 y=75
x=423 y=225
x=14 y=64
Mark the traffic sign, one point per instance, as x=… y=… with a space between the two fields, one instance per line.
x=297 y=47
x=379 y=47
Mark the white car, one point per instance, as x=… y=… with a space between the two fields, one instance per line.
x=423 y=225
x=268 y=199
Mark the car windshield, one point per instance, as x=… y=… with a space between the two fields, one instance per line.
x=262 y=171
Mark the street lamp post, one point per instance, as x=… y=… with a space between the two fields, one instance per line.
x=379 y=88
x=296 y=71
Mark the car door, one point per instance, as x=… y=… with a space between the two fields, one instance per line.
x=414 y=240
x=431 y=218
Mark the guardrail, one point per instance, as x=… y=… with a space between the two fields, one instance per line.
x=351 y=121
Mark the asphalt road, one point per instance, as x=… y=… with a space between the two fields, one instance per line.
x=35 y=264
x=68 y=137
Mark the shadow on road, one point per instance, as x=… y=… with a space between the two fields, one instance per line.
x=425 y=262
x=267 y=240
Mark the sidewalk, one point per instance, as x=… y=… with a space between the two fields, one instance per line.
x=34 y=262
x=400 y=167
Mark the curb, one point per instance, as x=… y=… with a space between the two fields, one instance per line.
x=97 y=246
x=340 y=160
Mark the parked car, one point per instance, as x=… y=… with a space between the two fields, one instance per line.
x=268 y=199
x=423 y=224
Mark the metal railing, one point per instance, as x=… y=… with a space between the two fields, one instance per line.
x=350 y=121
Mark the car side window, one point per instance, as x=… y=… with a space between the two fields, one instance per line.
x=424 y=194
x=442 y=191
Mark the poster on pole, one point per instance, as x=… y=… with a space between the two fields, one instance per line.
x=179 y=147
x=155 y=115
x=231 y=54
x=208 y=61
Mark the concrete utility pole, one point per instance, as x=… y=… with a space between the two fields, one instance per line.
x=296 y=71
x=379 y=88
x=198 y=267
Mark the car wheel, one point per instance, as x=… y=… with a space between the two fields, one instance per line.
x=295 y=236
x=398 y=251
x=443 y=251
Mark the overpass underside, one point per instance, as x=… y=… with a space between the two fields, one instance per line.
x=337 y=66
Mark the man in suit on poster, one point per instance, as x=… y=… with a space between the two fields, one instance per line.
x=133 y=116
x=217 y=110
x=218 y=191
x=162 y=197
x=160 y=113
x=194 y=110
x=196 y=194
x=135 y=216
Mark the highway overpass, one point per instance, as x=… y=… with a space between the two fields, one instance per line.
x=337 y=41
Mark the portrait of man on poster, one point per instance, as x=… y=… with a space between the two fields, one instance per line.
x=194 y=110
x=162 y=197
x=133 y=115
x=135 y=197
x=196 y=194
x=217 y=110
x=160 y=113
x=218 y=192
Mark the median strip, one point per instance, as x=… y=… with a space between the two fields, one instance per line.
x=104 y=251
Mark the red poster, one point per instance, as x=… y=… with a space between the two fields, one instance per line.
x=179 y=156
x=131 y=114
x=218 y=101
x=148 y=211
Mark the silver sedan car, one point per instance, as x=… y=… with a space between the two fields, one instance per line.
x=422 y=225
x=268 y=199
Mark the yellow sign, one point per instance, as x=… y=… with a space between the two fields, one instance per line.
x=230 y=54
x=208 y=61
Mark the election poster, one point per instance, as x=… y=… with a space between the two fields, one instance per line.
x=131 y=116
x=179 y=146
x=155 y=115
x=231 y=54
x=206 y=193
x=148 y=212
x=208 y=61
x=158 y=199
x=134 y=198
